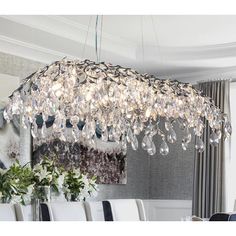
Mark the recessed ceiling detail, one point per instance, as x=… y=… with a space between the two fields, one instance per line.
x=189 y=48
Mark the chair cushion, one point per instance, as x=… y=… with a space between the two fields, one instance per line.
x=24 y=213
x=94 y=211
x=67 y=211
x=125 y=210
x=7 y=212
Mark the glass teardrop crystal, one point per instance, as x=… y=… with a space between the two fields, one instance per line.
x=228 y=129
x=168 y=125
x=214 y=140
x=171 y=136
x=184 y=144
x=129 y=136
x=105 y=135
x=34 y=131
x=151 y=148
x=199 y=144
x=134 y=143
x=187 y=136
x=164 y=149
x=145 y=142
x=218 y=133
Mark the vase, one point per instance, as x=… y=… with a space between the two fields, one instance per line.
x=43 y=193
x=36 y=209
x=57 y=196
x=4 y=200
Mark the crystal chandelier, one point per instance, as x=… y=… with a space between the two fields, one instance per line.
x=115 y=102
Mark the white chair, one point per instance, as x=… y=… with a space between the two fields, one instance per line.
x=94 y=211
x=24 y=213
x=127 y=210
x=7 y=212
x=234 y=205
x=64 y=211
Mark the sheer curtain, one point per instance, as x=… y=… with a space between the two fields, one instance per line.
x=231 y=160
x=209 y=183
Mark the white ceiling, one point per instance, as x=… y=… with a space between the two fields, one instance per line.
x=187 y=48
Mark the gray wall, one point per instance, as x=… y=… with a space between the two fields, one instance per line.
x=138 y=176
x=172 y=175
x=154 y=177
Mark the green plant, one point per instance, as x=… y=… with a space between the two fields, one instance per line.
x=47 y=174
x=78 y=186
x=19 y=183
x=16 y=184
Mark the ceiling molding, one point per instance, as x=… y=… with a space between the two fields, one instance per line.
x=76 y=32
x=207 y=75
x=52 y=37
x=29 y=51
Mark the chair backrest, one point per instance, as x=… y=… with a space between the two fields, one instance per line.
x=220 y=217
x=127 y=210
x=7 y=212
x=63 y=211
x=232 y=217
x=24 y=213
x=98 y=211
x=94 y=211
x=234 y=205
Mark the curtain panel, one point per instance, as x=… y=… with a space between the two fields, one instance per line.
x=209 y=166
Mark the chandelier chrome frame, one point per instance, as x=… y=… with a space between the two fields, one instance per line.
x=99 y=100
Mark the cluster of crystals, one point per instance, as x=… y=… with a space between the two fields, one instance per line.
x=117 y=101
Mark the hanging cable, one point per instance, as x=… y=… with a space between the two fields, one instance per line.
x=142 y=43
x=96 y=37
x=100 y=46
x=157 y=42
x=86 y=38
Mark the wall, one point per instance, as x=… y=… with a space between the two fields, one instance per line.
x=167 y=210
x=148 y=177
x=138 y=177
x=172 y=176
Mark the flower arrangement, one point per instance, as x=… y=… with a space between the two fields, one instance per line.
x=47 y=175
x=19 y=183
x=16 y=184
x=78 y=186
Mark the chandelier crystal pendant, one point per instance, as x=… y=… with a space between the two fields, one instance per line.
x=117 y=102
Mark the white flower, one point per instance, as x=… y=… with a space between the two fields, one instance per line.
x=77 y=172
x=60 y=180
x=2 y=171
x=42 y=174
x=30 y=189
x=15 y=199
x=49 y=177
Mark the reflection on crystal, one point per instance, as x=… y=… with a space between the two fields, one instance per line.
x=199 y=145
x=219 y=134
x=151 y=148
x=214 y=140
x=168 y=125
x=187 y=136
x=129 y=136
x=164 y=149
x=134 y=143
x=105 y=135
x=171 y=136
x=34 y=131
x=228 y=129
x=44 y=131
x=184 y=144
x=145 y=142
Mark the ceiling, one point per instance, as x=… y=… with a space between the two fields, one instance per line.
x=187 y=48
